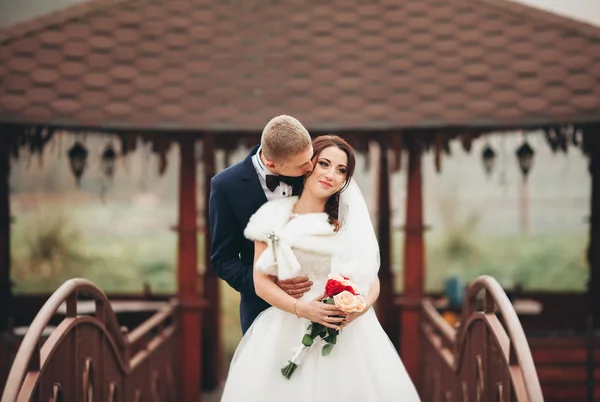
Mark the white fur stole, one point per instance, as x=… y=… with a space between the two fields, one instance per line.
x=271 y=224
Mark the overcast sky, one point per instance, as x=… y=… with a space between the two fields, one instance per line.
x=584 y=10
x=17 y=10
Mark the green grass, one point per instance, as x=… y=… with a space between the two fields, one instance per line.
x=549 y=262
x=119 y=247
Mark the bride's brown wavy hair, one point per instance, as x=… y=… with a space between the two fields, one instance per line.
x=319 y=144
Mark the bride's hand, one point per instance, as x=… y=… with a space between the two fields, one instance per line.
x=321 y=313
x=351 y=317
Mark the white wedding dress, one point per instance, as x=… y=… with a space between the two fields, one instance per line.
x=363 y=366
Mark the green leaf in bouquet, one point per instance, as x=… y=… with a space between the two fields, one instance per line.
x=288 y=370
x=332 y=337
x=307 y=340
x=329 y=300
x=323 y=332
x=327 y=349
x=315 y=329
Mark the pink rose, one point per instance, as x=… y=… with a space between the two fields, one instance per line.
x=346 y=301
x=361 y=303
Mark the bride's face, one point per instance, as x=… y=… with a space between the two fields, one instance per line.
x=329 y=174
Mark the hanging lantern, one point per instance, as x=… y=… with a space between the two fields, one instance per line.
x=437 y=158
x=551 y=138
x=525 y=156
x=466 y=140
x=487 y=156
x=161 y=146
x=77 y=157
x=109 y=157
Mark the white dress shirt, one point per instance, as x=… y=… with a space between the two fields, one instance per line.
x=282 y=191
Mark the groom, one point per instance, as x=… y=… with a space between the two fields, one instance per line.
x=272 y=170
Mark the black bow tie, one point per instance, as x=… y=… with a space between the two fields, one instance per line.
x=274 y=180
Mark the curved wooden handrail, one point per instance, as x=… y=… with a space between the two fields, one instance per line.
x=446 y=347
x=50 y=347
x=495 y=296
x=156 y=320
x=31 y=358
x=439 y=333
x=56 y=337
x=30 y=345
x=140 y=334
x=439 y=354
x=441 y=325
x=501 y=342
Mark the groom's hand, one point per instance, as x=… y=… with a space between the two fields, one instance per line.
x=295 y=287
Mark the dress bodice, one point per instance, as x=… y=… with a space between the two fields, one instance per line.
x=316 y=267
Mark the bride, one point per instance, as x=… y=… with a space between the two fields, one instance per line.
x=326 y=230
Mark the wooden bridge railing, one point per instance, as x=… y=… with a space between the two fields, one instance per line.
x=485 y=359
x=89 y=358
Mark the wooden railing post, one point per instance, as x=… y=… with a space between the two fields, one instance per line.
x=211 y=331
x=484 y=360
x=86 y=356
x=414 y=264
x=187 y=273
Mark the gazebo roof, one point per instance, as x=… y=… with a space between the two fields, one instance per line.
x=345 y=64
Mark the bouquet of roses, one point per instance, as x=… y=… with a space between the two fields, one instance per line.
x=345 y=295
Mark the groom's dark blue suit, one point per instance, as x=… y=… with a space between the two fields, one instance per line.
x=235 y=195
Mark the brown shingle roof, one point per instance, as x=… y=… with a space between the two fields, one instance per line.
x=353 y=64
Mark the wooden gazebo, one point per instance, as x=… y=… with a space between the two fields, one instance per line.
x=409 y=75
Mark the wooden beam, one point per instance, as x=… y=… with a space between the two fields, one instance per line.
x=211 y=345
x=386 y=310
x=414 y=265
x=187 y=274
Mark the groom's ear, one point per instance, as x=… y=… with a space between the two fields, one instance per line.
x=270 y=165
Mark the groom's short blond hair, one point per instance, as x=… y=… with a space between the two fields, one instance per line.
x=283 y=137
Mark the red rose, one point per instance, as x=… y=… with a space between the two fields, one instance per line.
x=350 y=289
x=334 y=287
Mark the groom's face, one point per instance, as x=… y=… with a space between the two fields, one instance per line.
x=297 y=165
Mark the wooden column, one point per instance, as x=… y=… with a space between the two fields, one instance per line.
x=593 y=145
x=386 y=310
x=5 y=288
x=211 y=336
x=414 y=264
x=187 y=273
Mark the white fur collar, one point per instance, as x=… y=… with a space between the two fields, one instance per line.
x=271 y=224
